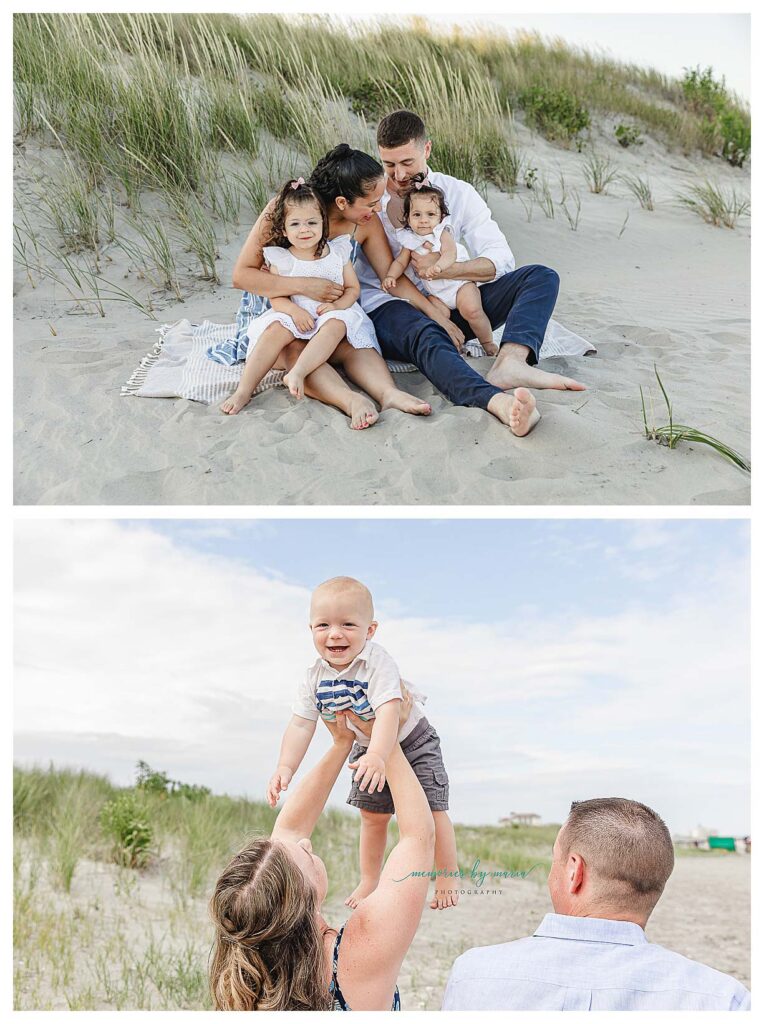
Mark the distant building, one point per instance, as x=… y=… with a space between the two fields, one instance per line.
x=518 y=818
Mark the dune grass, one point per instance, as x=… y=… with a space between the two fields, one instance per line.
x=202 y=116
x=715 y=204
x=672 y=433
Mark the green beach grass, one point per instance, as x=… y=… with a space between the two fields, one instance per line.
x=166 y=129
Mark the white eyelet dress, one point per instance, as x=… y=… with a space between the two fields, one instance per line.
x=330 y=267
x=444 y=289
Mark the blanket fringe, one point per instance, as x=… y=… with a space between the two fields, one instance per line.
x=138 y=378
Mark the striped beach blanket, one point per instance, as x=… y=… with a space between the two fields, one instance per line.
x=178 y=365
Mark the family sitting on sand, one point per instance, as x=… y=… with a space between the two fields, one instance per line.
x=366 y=262
x=275 y=951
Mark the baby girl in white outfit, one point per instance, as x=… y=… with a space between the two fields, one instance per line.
x=427 y=229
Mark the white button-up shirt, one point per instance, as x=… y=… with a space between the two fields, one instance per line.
x=587 y=963
x=370 y=680
x=471 y=222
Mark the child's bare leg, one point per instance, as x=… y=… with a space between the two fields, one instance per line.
x=469 y=304
x=316 y=352
x=446 y=886
x=267 y=349
x=326 y=385
x=372 y=848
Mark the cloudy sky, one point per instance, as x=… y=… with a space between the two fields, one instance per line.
x=562 y=659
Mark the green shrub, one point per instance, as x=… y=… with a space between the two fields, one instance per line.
x=555 y=112
x=735 y=130
x=702 y=92
x=124 y=823
x=628 y=135
x=160 y=783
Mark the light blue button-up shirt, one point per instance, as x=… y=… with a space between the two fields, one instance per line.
x=587 y=963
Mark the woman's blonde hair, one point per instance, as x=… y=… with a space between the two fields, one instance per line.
x=269 y=948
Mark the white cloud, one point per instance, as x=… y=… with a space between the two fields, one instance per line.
x=121 y=632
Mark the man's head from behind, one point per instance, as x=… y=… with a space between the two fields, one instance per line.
x=612 y=858
x=404 y=148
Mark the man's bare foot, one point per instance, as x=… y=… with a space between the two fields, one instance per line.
x=405 y=402
x=512 y=372
x=236 y=402
x=443 y=898
x=361 y=891
x=295 y=382
x=362 y=412
x=518 y=411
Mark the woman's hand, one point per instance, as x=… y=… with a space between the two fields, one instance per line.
x=366 y=725
x=320 y=290
x=341 y=734
x=456 y=336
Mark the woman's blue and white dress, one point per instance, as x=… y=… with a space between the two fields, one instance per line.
x=255 y=313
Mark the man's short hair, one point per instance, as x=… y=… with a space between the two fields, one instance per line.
x=400 y=128
x=626 y=847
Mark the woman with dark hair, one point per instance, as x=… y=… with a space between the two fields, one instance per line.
x=351 y=184
x=273 y=949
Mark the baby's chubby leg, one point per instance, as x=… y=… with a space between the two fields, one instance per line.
x=446 y=885
x=266 y=351
x=372 y=850
x=469 y=304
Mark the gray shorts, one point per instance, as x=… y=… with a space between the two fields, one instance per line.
x=422 y=751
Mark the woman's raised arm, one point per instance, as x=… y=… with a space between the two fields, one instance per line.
x=379 y=933
x=297 y=818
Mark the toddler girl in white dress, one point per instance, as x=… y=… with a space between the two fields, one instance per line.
x=299 y=248
x=427 y=229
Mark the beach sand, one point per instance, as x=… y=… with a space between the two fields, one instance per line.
x=669 y=290
x=106 y=944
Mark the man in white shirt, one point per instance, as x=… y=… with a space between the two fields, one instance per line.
x=520 y=299
x=611 y=860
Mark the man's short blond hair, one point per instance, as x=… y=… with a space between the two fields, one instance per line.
x=347 y=584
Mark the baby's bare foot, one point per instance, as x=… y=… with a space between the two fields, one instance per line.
x=295 y=382
x=235 y=403
x=518 y=411
x=361 y=891
x=443 y=898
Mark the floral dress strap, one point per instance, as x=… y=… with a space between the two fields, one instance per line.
x=340 y=1003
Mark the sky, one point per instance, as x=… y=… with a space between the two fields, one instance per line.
x=667 y=42
x=562 y=659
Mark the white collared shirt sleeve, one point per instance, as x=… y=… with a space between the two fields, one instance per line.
x=480 y=232
x=384 y=678
x=305 y=701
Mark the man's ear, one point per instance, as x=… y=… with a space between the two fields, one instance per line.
x=576 y=870
x=372 y=629
x=427 y=149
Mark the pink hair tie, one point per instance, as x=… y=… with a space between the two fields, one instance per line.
x=296 y=184
x=418 y=184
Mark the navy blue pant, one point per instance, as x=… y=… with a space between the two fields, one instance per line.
x=522 y=300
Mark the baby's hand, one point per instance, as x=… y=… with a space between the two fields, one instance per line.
x=389 y=283
x=303 y=321
x=325 y=307
x=278 y=782
x=430 y=272
x=370 y=769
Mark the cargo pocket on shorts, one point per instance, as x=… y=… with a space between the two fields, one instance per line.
x=439 y=787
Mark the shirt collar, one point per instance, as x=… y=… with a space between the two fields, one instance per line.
x=591 y=929
x=363 y=656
